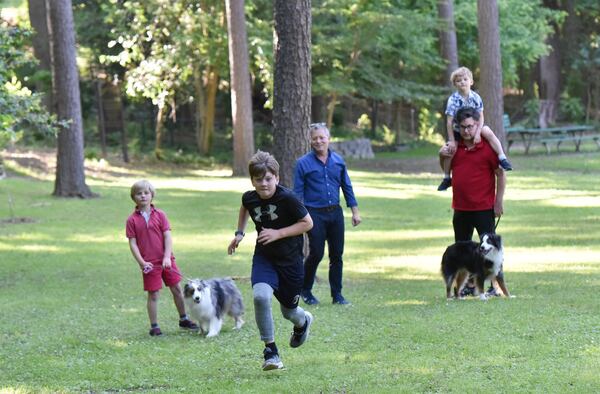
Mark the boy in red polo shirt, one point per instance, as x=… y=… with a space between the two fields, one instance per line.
x=149 y=234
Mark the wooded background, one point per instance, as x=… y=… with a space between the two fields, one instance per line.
x=163 y=76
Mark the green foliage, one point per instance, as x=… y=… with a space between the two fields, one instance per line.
x=428 y=122
x=20 y=110
x=382 y=50
x=400 y=335
x=524 y=26
x=571 y=109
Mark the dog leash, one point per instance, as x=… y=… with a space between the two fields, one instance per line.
x=497 y=222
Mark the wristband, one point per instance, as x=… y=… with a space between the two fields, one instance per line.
x=239 y=232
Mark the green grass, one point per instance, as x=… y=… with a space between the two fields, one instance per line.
x=74 y=319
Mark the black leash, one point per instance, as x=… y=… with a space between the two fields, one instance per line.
x=497 y=222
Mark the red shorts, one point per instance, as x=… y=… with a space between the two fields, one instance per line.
x=153 y=279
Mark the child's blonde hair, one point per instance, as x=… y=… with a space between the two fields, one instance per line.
x=142 y=185
x=459 y=72
x=261 y=163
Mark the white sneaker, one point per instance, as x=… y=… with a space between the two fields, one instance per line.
x=272 y=360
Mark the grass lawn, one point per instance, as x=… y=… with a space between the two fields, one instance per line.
x=74 y=318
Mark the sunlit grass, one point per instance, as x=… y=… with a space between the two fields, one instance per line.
x=74 y=314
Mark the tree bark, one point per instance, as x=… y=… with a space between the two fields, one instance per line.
x=241 y=95
x=550 y=77
x=38 y=17
x=158 y=131
x=448 y=45
x=491 y=66
x=208 y=123
x=70 y=171
x=292 y=84
x=199 y=106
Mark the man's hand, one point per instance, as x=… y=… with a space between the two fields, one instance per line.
x=448 y=149
x=498 y=208
x=355 y=216
x=166 y=263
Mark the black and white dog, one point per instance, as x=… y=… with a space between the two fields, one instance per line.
x=208 y=301
x=483 y=261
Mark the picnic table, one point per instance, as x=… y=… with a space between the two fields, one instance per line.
x=549 y=136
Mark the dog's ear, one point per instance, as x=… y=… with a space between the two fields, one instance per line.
x=498 y=239
x=188 y=290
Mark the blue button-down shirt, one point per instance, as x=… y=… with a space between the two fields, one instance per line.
x=318 y=184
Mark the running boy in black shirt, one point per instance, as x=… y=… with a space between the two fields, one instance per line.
x=277 y=268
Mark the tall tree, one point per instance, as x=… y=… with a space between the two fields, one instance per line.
x=70 y=171
x=292 y=84
x=491 y=66
x=550 y=80
x=241 y=95
x=448 y=45
x=38 y=17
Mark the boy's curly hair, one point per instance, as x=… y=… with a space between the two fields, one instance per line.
x=142 y=185
x=459 y=72
x=261 y=163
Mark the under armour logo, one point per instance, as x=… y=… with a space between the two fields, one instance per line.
x=265 y=213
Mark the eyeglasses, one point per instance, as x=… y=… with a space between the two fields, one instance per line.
x=317 y=125
x=467 y=127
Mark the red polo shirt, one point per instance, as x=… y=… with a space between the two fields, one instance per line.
x=149 y=237
x=474 y=177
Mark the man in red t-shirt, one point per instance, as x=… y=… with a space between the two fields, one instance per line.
x=478 y=183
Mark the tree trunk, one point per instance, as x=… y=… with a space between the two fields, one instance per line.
x=70 y=171
x=100 y=108
x=241 y=95
x=208 y=123
x=199 y=106
x=448 y=37
x=292 y=84
x=158 y=131
x=491 y=66
x=38 y=17
x=550 y=77
x=331 y=109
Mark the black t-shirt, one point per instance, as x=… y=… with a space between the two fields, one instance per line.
x=281 y=210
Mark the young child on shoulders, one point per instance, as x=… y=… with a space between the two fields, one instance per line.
x=462 y=79
x=151 y=245
x=277 y=267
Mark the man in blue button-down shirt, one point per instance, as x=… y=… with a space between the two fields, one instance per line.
x=318 y=177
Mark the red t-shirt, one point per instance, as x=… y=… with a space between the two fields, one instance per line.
x=474 y=178
x=149 y=237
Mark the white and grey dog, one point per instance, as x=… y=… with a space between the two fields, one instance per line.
x=209 y=300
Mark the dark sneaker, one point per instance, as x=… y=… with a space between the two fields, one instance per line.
x=299 y=335
x=187 y=324
x=492 y=292
x=272 y=360
x=505 y=164
x=309 y=298
x=446 y=183
x=467 y=291
x=155 y=332
x=340 y=300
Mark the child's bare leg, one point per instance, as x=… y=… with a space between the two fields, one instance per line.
x=178 y=299
x=152 y=306
x=489 y=135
